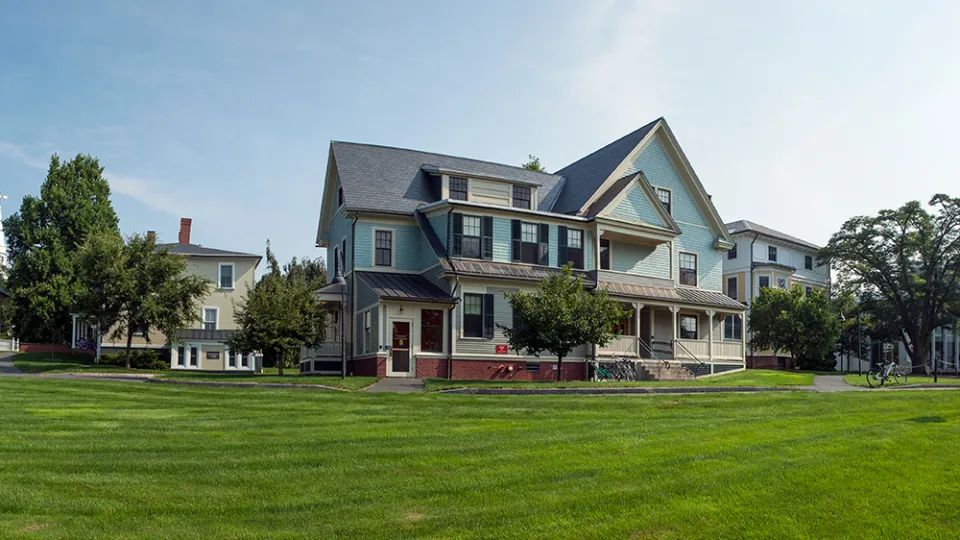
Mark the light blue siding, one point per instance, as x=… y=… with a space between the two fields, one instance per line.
x=553 y=245
x=340 y=228
x=433 y=276
x=439 y=224
x=636 y=206
x=709 y=261
x=659 y=170
x=407 y=252
x=501 y=239
x=641 y=259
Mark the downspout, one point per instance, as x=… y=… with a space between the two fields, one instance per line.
x=451 y=314
x=755 y=236
x=353 y=283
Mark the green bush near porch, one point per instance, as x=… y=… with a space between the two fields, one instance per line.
x=82 y=459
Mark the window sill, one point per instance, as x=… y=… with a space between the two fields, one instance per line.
x=470 y=338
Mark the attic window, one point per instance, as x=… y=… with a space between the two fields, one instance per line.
x=665 y=199
x=339 y=197
x=521 y=197
x=458 y=188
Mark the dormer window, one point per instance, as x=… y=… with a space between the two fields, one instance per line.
x=665 y=198
x=458 y=188
x=521 y=197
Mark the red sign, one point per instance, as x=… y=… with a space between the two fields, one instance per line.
x=502 y=349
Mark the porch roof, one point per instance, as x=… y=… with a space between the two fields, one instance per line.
x=406 y=287
x=680 y=295
x=205 y=335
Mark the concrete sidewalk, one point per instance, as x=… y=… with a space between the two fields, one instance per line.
x=6 y=364
x=399 y=385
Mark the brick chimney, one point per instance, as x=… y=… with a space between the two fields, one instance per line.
x=185 y=230
x=152 y=235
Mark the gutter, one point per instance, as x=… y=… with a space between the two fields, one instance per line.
x=353 y=283
x=452 y=293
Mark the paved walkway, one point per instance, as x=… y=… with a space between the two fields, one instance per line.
x=6 y=365
x=833 y=383
x=400 y=385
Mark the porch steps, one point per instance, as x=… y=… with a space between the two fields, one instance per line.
x=673 y=372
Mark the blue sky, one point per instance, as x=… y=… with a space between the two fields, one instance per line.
x=796 y=116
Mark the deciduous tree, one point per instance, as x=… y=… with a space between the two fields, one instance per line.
x=280 y=314
x=533 y=164
x=136 y=287
x=804 y=326
x=906 y=262
x=560 y=316
x=42 y=239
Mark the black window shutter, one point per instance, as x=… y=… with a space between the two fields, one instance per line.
x=488 y=316
x=515 y=228
x=343 y=255
x=457 y=235
x=486 y=227
x=544 y=244
x=561 y=245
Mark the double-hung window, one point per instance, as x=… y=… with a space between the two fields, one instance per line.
x=732 y=287
x=665 y=199
x=772 y=253
x=530 y=242
x=471 y=237
x=808 y=290
x=521 y=197
x=604 y=253
x=478 y=315
x=688 y=269
x=570 y=247
x=431 y=330
x=732 y=327
x=732 y=254
x=688 y=327
x=808 y=262
x=210 y=318
x=763 y=282
x=383 y=250
x=226 y=275
x=458 y=188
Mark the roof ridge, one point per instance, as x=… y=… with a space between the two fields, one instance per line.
x=444 y=155
x=604 y=147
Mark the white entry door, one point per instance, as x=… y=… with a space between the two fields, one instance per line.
x=400 y=361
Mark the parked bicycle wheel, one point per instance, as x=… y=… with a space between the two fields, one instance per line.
x=900 y=376
x=875 y=378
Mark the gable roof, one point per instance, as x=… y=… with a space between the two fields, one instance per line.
x=586 y=175
x=624 y=184
x=196 y=250
x=744 y=225
x=393 y=180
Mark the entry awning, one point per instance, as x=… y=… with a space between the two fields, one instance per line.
x=404 y=287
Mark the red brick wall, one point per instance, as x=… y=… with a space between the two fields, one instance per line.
x=487 y=369
x=368 y=367
x=435 y=368
x=769 y=362
x=49 y=347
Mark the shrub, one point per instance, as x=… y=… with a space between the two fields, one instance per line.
x=139 y=359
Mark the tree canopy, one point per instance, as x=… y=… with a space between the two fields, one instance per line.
x=533 y=164
x=804 y=326
x=560 y=316
x=42 y=239
x=904 y=264
x=280 y=314
x=136 y=287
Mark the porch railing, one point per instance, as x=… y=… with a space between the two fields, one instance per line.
x=329 y=349
x=692 y=348
x=622 y=346
x=732 y=350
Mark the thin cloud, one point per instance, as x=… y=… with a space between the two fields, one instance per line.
x=19 y=153
x=145 y=191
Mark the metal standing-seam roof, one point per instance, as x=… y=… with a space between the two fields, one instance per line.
x=744 y=225
x=681 y=295
x=386 y=179
x=408 y=287
x=585 y=176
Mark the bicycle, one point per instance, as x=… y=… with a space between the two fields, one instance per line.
x=880 y=375
x=622 y=370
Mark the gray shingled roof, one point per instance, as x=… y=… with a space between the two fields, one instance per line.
x=409 y=287
x=386 y=179
x=585 y=176
x=744 y=225
x=201 y=251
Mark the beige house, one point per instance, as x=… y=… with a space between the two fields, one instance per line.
x=202 y=346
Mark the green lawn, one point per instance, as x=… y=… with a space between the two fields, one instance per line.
x=750 y=377
x=91 y=459
x=65 y=363
x=861 y=380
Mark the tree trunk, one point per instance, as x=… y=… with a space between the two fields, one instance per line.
x=559 y=368
x=129 y=344
x=280 y=361
x=921 y=353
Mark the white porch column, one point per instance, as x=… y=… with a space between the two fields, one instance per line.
x=673 y=315
x=73 y=338
x=99 y=341
x=743 y=336
x=637 y=306
x=710 y=314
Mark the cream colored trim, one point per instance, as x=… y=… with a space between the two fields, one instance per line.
x=233 y=276
x=203 y=317
x=697 y=270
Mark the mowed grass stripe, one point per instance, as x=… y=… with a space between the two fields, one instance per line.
x=106 y=459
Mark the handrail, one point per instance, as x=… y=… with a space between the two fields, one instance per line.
x=663 y=363
x=677 y=342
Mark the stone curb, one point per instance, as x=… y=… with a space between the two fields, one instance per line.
x=614 y=391
x=247 y=384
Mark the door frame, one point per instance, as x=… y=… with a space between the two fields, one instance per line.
x=412 y=372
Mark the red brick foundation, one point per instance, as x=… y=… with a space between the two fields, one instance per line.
x=435 y=368
x=770 y=362
x=49 y=347
x=501 y=370
x=368 y=367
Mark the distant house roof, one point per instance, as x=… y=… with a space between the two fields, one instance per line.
x=408 y=287
x=585 y=176
x=744 y=225
x=385 y=179
x=201 y=251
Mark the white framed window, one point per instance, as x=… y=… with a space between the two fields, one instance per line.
x=688 y=269
x=383 y=247
x=226 y=273
x=732 y=287
x=732 y=327
x=666 y=199
x=210 y=318
x=529 y=233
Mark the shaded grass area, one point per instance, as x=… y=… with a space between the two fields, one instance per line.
x=861 y=380
x=756 y=378
x=67 y=363
x=115 y=460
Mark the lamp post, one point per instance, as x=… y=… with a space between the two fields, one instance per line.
x=338 y=280
x=842 y=320
x=859 y=344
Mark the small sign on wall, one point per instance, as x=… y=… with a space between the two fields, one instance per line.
x=213 y=355
x=503 y=349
